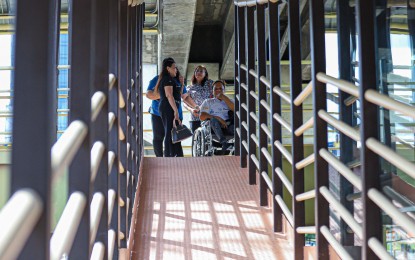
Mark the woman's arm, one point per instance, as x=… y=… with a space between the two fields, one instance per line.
x=172 y=102
x=152 y=95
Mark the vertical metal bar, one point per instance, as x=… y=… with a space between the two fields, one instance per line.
x=250 y=47
x=236 y=82
x=297 y=149
x=242 y=80
x=372 y=223
x=113 y=107
x=275 y=80
x=80 y=83
x=124 y=80
x=140 y=73
x=344 y=20
x=35 y=81
x=100 y=24
x=320 y=126
x=262 y=95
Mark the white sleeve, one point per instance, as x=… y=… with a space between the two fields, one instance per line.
x=205 y=107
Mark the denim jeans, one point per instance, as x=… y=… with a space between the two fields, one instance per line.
x=221 y=132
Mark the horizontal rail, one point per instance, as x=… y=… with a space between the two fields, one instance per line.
x=254 y=116
x=267 y=155
x=391 y=156
x=287 y=183
x=352 y=177
x=18 y=217
x=111 y=202
x=111 y=243
x=343 y=212
x=306 y=195
x=340 y=250
x=339 y=125
x=250 y=3
x=253 y=73
x=305 y=162
x=98 y=251
x=64 y=150
x=238 y=131
x=304 y=127
x=243 y=85
x=285 y=209
x=255 y=139
x=255 y=160
x=343 y=85
x=254 y=95
x=306 y=230
x=350 y=100
x=97 y=152
x=111 y=159
x=97 y=103
x=389 y=103
x=386 y=205
x=265 y=105
x=65 y=231
x=266 y=130
x=265 y=81
x=112 y=79
x=121 y=134
x=121 y=168
x=304 y=94
x=111 y=120
x=282 y=121
x=97 y=204
x=379 y=249
x=245 y=125
x=244 y=106
x=282 y=94
x=243 y=66
x=237 y=97
x=121 y=101
x=245 y=144
x=267 y=180
x=284 y=151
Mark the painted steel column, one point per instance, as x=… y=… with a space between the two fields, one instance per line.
x=35 y=81
x=100 y=50
x=237 y=120
x=372 y=222
x=275 y=80
x=80 y=83
x=318 y=58
x=250 y=47
x=262 y=95
x=344 y=19
x=297 y=149
x=113 y=107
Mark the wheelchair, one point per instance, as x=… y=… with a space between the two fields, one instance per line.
x=205 y=142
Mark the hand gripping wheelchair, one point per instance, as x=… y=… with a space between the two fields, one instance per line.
x=205 y=143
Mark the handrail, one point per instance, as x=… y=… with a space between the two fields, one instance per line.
x=342 y=211
x=243 y=66
x=284 y=151
x=379 y=249
x=253 y=73
x=341 y=168
x=255 y=139
x=306 y=230
x=340 y=250
x=282 y=94
x=389 y=103
x=64 y=150
x=18 y=217
x=98 y=251
x=386 y=205
x=121 y=101
x=97 y=103
x=343 y=85
x=121 y=168
x=245 y=125
x=243 y=85
x=340 y=125
x=111 y=243
x=111 y=79
x=391 y=156
x=267 y=155
x=111 y=159
x=304 y=127
x=305 y=162
x=111 y=202
x=245 y=144
x=65 y=231
x=350 y=100
x=266 y=130
x=111 y=120
x=306 y=195
x=265 y=105
x=255 y=160
x=121 y=134
x=97 y=152
x=285 y=209
x=267 y=180
x=254 y=95
x=243 y=105
x=282 y=121
x=254 y=116
x=287 y=183
x=97 y=204
x=265 y=81
x=304 y=94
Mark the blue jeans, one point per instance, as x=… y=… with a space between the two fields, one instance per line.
x=221 y=132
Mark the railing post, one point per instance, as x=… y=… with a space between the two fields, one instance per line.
x=297 y=149
x=320 y=126
x=262 y=95
x=35 y=81
x=372 y=222
x=80 y=83
x=237 y=118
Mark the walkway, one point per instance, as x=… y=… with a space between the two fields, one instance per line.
x=203 y=208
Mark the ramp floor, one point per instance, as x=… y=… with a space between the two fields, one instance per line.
x=203 y=208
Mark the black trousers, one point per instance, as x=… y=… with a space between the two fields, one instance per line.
x=194 y=125
x=167 y=116
x=158 y=135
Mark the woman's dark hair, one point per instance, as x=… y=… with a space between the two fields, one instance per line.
x=167 y=62
x=194 y=81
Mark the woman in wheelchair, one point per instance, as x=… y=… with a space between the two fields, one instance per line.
x=219 y=111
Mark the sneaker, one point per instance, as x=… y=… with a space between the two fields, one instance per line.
x=225 y=147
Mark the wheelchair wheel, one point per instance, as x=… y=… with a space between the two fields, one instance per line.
x=198 y=143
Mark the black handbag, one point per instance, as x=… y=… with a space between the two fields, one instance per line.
x=180 y=133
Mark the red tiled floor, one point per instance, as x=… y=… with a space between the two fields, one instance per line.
x=203 y=208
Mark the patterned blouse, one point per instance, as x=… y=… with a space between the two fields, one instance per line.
x=199 y=93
